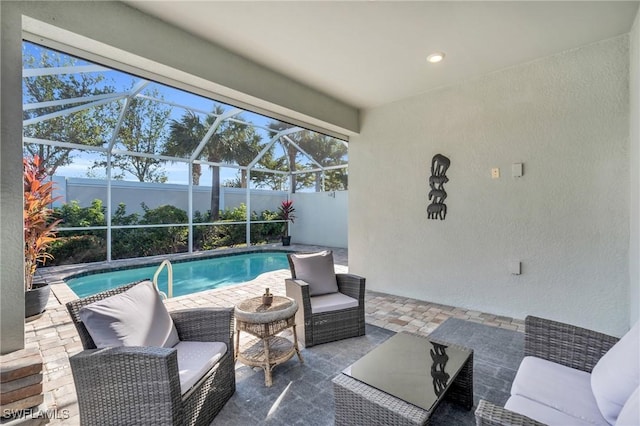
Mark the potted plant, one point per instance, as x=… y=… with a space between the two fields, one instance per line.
x=285 y=212
x=39 y=231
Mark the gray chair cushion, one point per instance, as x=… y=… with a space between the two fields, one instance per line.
x=617 y=374
x=316 y=269
x=630 y=413
x=543 y=413
x=562 y=388
x=331 y=302
x=136 y=317
x=195 y=359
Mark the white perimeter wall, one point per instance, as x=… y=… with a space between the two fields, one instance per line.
x=132 y=194
x=321 y=218
x=566 y=117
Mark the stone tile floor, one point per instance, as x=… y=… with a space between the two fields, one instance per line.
x=56 y=337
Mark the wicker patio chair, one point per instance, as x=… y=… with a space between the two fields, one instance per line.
x=564 y=344
x=316 y=328
x=140 y=385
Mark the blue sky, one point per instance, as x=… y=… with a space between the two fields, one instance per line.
x=176 y=172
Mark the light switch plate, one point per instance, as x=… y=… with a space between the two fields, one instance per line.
x=516 y=170
x=495 y=173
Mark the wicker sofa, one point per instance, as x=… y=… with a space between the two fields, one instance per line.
x=141 y=385
x=562 y=385
x=328 y=311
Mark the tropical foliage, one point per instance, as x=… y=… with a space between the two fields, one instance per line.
x=71 y=103
x=142 y=131
x=231 y=141
x=40 y=94
x=286 y=212
x=39 y=227
x=90 y=245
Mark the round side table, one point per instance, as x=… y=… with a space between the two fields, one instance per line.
x=264 y=322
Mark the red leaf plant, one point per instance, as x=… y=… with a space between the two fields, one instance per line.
x=286 y=213
x=39 y=228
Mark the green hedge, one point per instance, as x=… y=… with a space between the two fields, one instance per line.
x=90 y=246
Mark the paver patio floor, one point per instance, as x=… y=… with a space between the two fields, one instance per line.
x=56 y=337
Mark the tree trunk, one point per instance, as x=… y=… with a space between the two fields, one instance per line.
x=243 y=178
x=215 y=193
x=318 y=181
x=196 y=172
x=292 y=167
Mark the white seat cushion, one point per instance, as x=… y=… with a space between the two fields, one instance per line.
x=317 y=270
x=630 y=413
x=135 y=317
x=332 y=302
x=542 y=413
x=195 y=359
x=562 y=388
x=616 y=375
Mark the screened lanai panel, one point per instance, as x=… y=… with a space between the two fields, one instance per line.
x=143 y=168
x=230 y=140
x=82 y=125
x=275 y=158
x=180 y=119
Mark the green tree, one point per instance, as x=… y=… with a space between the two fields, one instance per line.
x=184 y=137
x=232 y=141
x=291 y=151
x=143 y=130
x=273 y=181
x=327 y=151
x=86 y=127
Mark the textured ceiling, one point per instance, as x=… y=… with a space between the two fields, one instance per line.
x=372 y=53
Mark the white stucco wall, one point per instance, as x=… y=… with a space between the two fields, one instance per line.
x=634 y=133
x=566 y=117
x=11 y=254
x=321 y=218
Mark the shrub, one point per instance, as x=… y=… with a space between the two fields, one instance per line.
x=79 y=249
x=72 y=215
x=89 y=246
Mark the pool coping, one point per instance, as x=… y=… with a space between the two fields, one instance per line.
x=56 y=275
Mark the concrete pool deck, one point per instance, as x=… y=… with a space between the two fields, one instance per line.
x=56 y=338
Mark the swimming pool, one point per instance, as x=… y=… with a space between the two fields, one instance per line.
x=189 y=276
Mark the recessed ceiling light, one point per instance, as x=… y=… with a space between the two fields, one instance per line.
x=435 y=57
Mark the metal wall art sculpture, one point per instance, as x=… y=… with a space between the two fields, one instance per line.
x=438 y=209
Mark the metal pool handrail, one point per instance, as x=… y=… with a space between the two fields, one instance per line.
x=169 y=279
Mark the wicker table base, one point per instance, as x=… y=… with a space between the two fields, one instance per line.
x=267 y=353
x=264 y=322
x=358 y=403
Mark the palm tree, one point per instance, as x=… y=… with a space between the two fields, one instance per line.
x=325 y=150
x=184 y=137
x=232 y=141
x=292 y=151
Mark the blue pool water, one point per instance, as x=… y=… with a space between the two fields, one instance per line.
x=189 y=276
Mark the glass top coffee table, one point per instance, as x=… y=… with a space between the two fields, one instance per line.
x=403 y=380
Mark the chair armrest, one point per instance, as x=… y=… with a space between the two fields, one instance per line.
x=298 y=290
x=138 y=382
x=565 y=344
x=352 y=286
x=205 y=324
x=493 y=415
